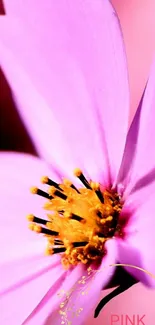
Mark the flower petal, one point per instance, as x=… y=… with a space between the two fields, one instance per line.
x=26 y=274
x=141 y=188
x=137 y=248
x=18 y=172
x=49 y=304
x=140 y=153
x=71 y=83
x=87 y=291
x=17 y=304
x=72 y=289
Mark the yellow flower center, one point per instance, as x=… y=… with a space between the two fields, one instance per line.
x=80 y=221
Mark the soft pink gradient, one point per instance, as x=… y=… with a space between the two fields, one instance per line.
x=137 y=19
x=51 y=100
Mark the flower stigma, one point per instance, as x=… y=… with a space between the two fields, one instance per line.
x=80 y=220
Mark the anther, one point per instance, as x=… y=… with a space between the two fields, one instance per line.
x=32 y=218
x=110 y=218
x=67 y=214
x=48 y=181
x=35 y=190
x=31 y=226
x=103 y=221
x=100 y=195
x=37 y=228
x=45 y=231
x=96 y=188
x=78 y=173
x=58 y=193
x=48 y=251
x=69 y=183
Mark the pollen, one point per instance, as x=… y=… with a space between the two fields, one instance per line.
x=79 y=220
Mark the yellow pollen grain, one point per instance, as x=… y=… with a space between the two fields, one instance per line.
x=77 y=172
x=37 y=228
x=30 y=217
x=83 y=221
x=95 y=186
x=48 y=251
x=67 y=182
x=70 y=200
x=66 y=242
x=108 y=210
x=110 y=218
x=51 y=190
x=44 y=179
x=98 y=207
x=31 y=226
x=47 y=205
x=103 y=221
x=49 y=225
x=67 y=214
x=33 y=190
x=95 y=238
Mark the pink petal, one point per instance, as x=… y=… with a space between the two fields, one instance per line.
x=26 y=274
x=43 y=309
x=140 y=153
x=18 y=172
x=49 y=304
x=20 y=302
x=86 y=295
x=138 y=247
x=70 y=83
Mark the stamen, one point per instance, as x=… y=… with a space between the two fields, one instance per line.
x=48 y=181
x=68 y=183
x=32 y=218
x=80 y=221
x=110 y=218
x=31 y=226
x=100 y=196
x=78 y=173
x=96 y=188
x=58 y=193
x=49 y=232
x=74 y=217
x=35 y=190
x=45 y=231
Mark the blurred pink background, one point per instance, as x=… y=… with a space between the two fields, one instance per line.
x=137 y=19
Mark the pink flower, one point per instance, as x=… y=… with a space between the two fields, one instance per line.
x=66 y=65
